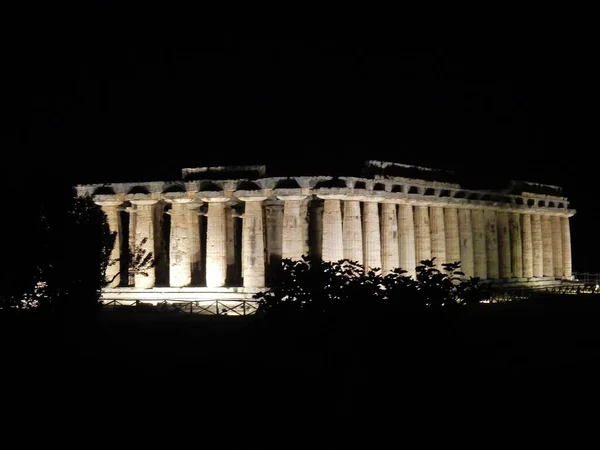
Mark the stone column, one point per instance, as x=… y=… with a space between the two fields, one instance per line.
x=274 y=226
x=504 y=245
x=491 y=244
x=536 y=243
x=479 y=244
x=180 y=264
x=305 y=228
x=566 y=243
x=316 y=218
x=514 y=225
x=231 y=225
x=332 y=235
x=352 y=231
x=193 y=218
x=422 y=234
x=131 y=241
x=216 y=242
x=406 y=239
x=465 y=233
x=526 y=234
x=389 y=238
x=438 y=235
x=372 y=236
x=452 y=238
x=253 y=243
x=112 y=209
x=293 y=239
x=547 y=246
x=557 y=246
x=145 y=231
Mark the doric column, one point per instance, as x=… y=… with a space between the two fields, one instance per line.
x=180 y=265
x=504 y=245
x=372 y=236
x=316 y=219
x=389 y=238
x=547 y=246
x=465 y=233
x=112 y=209
x=491 y=244
x=557 y=246
x=231 y=225
x=332 y=235
x=438 y=235
x=566 y=243
x=293 y=239
x=406 y=239
x=452 y=238
x=352 y=231
x=145 y=232
x=193 y=218
x=527 y=245
x=479 y=245
x=131 y=210
x=216 y=242
x=274 y=216
x=536 y=243
x=514 y=225
x=253 y=242
x=422 y=234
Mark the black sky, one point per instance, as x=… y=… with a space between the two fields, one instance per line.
x=112 y=96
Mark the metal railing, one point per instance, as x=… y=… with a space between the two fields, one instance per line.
x=202 y=307
x=587 y=277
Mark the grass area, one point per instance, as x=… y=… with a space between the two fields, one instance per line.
x=522 y=357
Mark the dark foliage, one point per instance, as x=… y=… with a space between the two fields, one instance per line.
x=65 y=265
x=331 y=288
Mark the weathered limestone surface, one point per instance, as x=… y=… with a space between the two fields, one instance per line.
x=406 y=239
x=465 y=232
x=216 y=243
x=352 y=231
x=389 y=238
x=422 y=234
x=557 y=246
x=274 y=237
x=131 y=210
x=491 y=244
x=112 y=210
x=504 y=249
x=231 y=226
x=566 y=243
x=180 y=266
x=293 y=238
x=527 y=245
x=194 y=240
x=536 y=243
x=547 y=246
x=479 y=245
x=316 y=220
x=145 y=230
x=253 y=243
x=372 y=236
x=438 y=235
x=333 y=244
x=514 y=223
x=452 y=237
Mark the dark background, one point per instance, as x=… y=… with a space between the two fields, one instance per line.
x=100 y=94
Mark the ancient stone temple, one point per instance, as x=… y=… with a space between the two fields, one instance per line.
x=220 y=232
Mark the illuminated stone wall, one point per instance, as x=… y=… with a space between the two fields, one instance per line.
x=224 y=232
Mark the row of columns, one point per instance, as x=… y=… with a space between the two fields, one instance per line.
x=490 y=244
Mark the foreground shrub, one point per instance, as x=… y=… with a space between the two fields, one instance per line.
x=310 y=289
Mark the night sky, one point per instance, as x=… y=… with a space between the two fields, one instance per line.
x=115 y=96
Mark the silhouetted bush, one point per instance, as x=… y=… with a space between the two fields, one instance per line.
x=306 y=289
x=66 y=271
